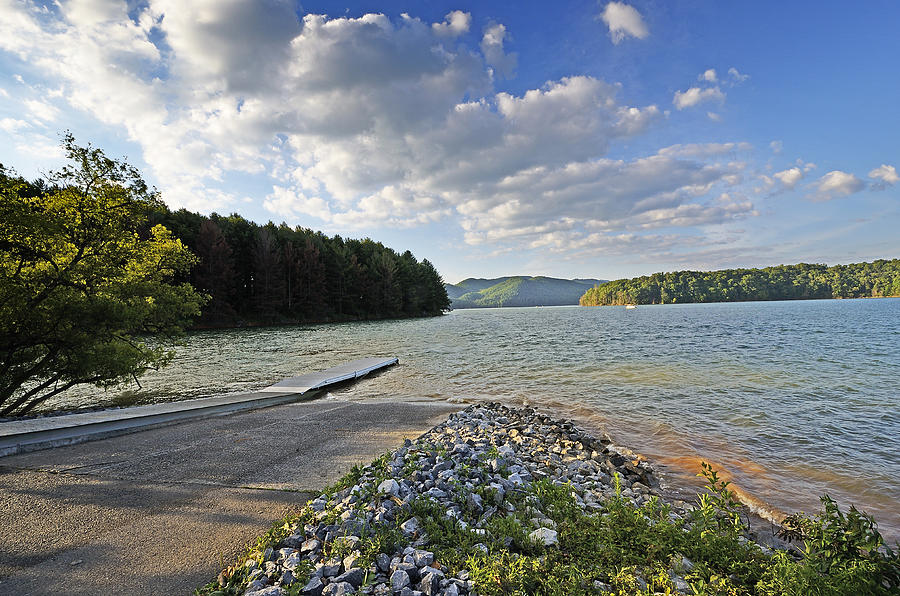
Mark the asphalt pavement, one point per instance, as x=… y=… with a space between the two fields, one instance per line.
x=161 y=511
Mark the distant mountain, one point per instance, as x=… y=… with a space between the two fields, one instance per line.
x=518 y=291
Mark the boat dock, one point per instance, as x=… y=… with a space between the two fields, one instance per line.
x=21 y=436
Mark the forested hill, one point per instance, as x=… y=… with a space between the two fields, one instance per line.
x=784 y=282
x=277 y=274
x=517 y=291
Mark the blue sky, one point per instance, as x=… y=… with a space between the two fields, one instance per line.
x=593 y=139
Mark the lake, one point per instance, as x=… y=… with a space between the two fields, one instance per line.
x=790 y=399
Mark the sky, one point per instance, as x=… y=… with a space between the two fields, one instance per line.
x=569 y=139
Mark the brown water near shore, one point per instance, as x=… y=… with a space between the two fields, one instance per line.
x=679 y=464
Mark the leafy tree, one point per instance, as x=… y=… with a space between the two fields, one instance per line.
x=214 y=273
x=784 y=282
x=268 y=273
x=80 y=283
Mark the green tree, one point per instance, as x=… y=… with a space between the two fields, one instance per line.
x=80 y=284
x=783 y=282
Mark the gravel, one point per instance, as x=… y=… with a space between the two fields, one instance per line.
x=487 y=445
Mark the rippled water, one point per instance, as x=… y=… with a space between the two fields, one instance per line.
x=792 y=399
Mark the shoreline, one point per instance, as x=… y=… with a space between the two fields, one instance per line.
x=490 y=451
x=740 y=301
x=679 y=479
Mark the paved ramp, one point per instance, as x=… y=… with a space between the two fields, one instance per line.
x=160 y=510
x=41 y=433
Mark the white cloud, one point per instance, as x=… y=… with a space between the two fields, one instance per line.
x=886 y=176
x=455 y=24
x=790 y=177
x=40 y=147
x=623 y=21
x=292 y=203
x=43 y=111
x=12 y=125
x=715 y=117
x=492 y=47
x=776 y=146
x=708 y=76
x=695 y=95
x=736 y=76
x=723 y=209
x=372 y=121
x=836 y=184
x=704 y=150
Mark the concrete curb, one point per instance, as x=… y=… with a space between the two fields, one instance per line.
x=22 y=436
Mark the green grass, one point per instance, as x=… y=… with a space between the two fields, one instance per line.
x=621 y=549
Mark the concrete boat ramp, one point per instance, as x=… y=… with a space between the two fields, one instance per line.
x=40 y=433
x=159 y=511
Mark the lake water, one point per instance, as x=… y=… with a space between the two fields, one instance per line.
x=791 y=399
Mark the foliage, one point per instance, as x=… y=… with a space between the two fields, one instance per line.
x=622 y=549
x=784 y=282
x=847 y=546
x=718 y=505
x=81 y=279
x=277 y=274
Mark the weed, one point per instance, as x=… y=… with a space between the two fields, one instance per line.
x=632 y=549
x=718 y=504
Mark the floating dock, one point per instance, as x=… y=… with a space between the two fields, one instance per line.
x=338 y=374
x=19 y=436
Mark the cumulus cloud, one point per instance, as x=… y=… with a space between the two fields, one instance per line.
x=836 y=184
x=696 y=95
x=455 y=24
x=786 y=179
x=293 y=202
x=623 y=21
x=372 y=121
x=708 y=76
x=885 y=175
x=790 y=177
x=496 y=57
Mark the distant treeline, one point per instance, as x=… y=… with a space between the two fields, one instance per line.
x=784 y=282
x=277 y=274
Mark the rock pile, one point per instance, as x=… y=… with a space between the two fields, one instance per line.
x=469 y=466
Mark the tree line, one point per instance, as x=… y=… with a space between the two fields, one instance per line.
x=784 y=282
x=93 y=265
x=273 y=274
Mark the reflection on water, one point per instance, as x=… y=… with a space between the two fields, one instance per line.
x=790 y=399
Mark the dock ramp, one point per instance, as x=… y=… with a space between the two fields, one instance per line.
x=18 y=436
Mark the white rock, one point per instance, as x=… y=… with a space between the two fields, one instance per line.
x=399 y=580
x=389 y=487
x=410 y=526
x=545 y=536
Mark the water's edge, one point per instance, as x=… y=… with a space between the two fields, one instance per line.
x=792 y=400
